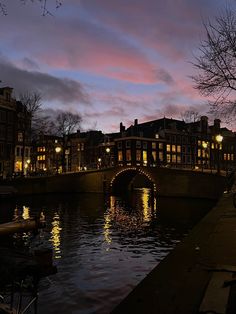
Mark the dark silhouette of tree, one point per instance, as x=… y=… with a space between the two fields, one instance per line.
x=216 y=63
x=66 y=123
x=190 y=116
x=31 y=102
x=43 y=5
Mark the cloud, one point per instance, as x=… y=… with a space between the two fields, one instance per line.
x=63 y=90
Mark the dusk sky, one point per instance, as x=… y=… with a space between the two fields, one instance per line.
x=110 y=60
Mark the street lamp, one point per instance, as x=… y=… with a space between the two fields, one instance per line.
x=204 y=158
x=57 y=150
x=99 y=162
x=219 y=139
x=108 y=150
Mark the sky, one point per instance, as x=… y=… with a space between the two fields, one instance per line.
x=111 y=61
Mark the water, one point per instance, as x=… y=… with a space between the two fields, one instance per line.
x=102 y=247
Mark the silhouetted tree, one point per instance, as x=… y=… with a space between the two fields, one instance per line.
x=66 y=123
x=43 y=5
x=190 y=116
x=216 y=63
x=31 y=102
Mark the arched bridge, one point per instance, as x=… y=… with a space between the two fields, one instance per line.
x=163 y=181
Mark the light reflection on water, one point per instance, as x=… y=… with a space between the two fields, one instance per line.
x=103 y=247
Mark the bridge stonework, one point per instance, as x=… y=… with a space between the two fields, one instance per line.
x=164 y=181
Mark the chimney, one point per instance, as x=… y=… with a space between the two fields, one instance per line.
x=217 y=125
x=135 y=122
x=122 y=127
x=204 y=124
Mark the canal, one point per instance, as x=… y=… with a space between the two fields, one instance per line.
x=102 y=246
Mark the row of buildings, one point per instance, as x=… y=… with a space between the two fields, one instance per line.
x=161 y=142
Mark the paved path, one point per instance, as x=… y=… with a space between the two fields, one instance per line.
x=197 y=276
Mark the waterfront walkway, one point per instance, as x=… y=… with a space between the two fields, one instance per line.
x=199 y=276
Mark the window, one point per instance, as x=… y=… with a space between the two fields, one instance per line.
x=128 y=155
x=173 y=148
x=145 y=156
x=41 y=157
x=183 y=149
x=154 y=145
x=41 y=149
x=3 y=116
x=120 y=155
x=178 y=159
x=156 y=135
x=161 y=156
x=174 y=158
x=119 y=144
x=232 y=157
x=138 y=144
x=168 y=158
x=17 y=151
x=20 y=137
x=128 y=144
x=160 y=145
x=154 y=156
x=178 y=149
x=138 y=155
x=144 y=145
x=199 y=152
x=168 y=147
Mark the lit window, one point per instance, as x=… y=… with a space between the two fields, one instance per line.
x=160 y=145
x=178 y=149
x=120 y=155
x=144 y=156
x=41 y=149
x=128 y=155
x=154 y=156
x=212 y=145
x=174 y=158
x=154 y=145
x=156 y=135
x=173 y=148
x=41 y=157
x=225 y=156
x=161 y=156
x=138 y=155
x=168 y=147
x=168 y=158
x=178 y=159
x=199 y=152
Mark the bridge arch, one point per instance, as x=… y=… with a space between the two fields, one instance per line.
x=123 y=178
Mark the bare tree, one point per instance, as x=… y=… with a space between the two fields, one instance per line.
x=66 y=123
x=32 y=105
x=190 y=116
x=43 y=5
x=216 y=63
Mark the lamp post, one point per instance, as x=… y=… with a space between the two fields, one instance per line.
x=57 y=150
x=99 y=162
x=204 y=146
x=219 y=139
x=108 y=150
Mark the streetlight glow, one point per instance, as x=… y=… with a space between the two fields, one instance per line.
x=108 y=149
x=219 y=138
x=58 y=149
